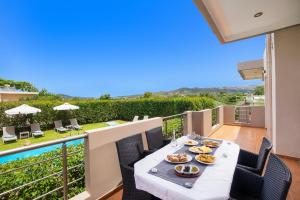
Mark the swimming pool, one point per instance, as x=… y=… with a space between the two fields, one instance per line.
x=36 y=152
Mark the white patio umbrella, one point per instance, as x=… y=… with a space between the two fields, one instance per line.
x=66 y=106
x=23 y=110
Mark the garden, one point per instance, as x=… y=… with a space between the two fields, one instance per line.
x=97 y=111
x=92 y=114
x=52 y=135
x=46 y=165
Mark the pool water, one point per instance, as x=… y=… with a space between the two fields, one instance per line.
x=36 y=152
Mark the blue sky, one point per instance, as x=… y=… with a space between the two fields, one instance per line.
x=87 y=48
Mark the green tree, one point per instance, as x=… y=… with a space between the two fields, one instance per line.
x=45 y=95
x=259 y=90
x=105 y=96
x=44 y=92
x=20 y=85
x=148 y=94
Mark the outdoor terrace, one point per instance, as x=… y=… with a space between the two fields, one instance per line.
x=101 y=177
x=248 y=138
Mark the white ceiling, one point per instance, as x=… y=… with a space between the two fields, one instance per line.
x=251 y=69
x=234 y=19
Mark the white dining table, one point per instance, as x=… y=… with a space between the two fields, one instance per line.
x=213 y=184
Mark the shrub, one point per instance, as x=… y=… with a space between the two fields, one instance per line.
x=92 y=111
x=148 y=94
x=259 y=90
x=31 y=173
x=171 y=125
x=105 y=96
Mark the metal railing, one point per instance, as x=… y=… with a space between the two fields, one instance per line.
x=243 y=114
x=174 y=123
x=214 y=116
x=58 y=168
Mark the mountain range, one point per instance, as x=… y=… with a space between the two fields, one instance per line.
x=185 y=91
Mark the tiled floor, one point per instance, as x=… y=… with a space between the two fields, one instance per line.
x=117 y=196
x=250 y=139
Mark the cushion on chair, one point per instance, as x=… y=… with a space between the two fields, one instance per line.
x=130 y=150
x=264 y=151
x=277 y=180
x=155 y=138
x=254 y=162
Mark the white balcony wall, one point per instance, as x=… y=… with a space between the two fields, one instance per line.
x=102 y=169
x=200 y=122
x=257 y=117
x=229 y=115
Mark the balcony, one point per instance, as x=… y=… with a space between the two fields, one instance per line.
x=97 y=173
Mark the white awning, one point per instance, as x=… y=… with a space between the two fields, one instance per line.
x=251 y=69
x=23 y=109
x=66 y=106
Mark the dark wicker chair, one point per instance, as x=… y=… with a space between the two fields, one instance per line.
x=254 y=162
x=156 y=139
x=131 y=150
x=274 y=185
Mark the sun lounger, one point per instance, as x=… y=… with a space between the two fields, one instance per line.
x=146 y=117
x=36 y=130
x=9 y=134
x=112 y=123
x=136 y=118
x=59 y=127
x=75 y=124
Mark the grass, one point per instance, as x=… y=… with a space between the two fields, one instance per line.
x=52 y=135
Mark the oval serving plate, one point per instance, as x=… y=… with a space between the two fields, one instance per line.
x=200 y=150
x=189 y=159
x=203 y=162
x=180 y=170
x=191 y=143
x=211 y=143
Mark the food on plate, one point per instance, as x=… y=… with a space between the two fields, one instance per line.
x=211 y=143
x=195 y=169
x=179 y=167
x=187 y=169
x=182 y=157
x=201 y=149
x=205 y=158
x=191 y=142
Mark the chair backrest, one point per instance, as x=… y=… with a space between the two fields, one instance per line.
x=9 y=131
x=58 y=124
x=35 y=127
x=264 y=151
x=130 y=149
x=136 y=118
x=277 y=180
x=155 y=138
x=74 y=122
x=146 y=117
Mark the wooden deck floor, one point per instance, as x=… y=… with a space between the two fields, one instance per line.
x=250 y=139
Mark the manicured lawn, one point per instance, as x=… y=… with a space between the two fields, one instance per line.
x=52 y=135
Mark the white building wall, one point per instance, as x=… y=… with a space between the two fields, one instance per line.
x=286 y=91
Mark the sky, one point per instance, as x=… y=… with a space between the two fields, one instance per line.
x=88 y=48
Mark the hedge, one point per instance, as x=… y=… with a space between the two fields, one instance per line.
x=92 y=111
x=22 y=176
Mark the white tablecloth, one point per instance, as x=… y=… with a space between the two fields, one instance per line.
x=213 y=184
